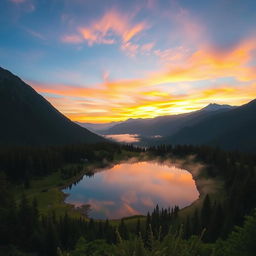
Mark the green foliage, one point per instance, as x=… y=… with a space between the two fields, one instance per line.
x=172 y=245
x=242 y=241
x=93 y=248
x=41 y=233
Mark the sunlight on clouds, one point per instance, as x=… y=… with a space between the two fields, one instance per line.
x=112 y=27
x=144 y=97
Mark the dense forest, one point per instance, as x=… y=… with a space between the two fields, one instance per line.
x=24 y=231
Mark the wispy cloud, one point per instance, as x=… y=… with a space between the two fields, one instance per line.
x=35 y=33
x=72 y=39
x=113 y=27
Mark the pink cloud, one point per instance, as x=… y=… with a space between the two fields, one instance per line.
x=112 y=23
x=130 y=48
x=147 y=47
x=176 y=54
x=73 y=39
x=113 y=27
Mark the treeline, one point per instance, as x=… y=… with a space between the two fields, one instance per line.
x=22 y=227
x=22 y=163
x=237 y=170
x=242 y=241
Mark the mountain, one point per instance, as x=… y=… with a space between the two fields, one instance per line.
x=233 y=129
x=94 y=127
x=216 y=107
x=165 y=125
x=28 y=119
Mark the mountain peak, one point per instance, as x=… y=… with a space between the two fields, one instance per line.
x=215 y=106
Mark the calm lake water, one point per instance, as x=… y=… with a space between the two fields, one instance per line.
x=133 y=188
x=124 y=138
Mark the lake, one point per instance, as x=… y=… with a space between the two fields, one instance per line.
x=133 y=189
x=124 y=138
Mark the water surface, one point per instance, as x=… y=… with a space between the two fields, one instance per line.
x=124 y=138
x=133 y=188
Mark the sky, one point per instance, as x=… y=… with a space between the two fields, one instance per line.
x=110 y=60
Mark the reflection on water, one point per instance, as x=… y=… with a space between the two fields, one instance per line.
x=133 y=188
x=127 y=138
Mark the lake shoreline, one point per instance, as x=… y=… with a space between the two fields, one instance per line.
x=203 y=184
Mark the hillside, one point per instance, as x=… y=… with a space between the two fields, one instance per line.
x=233 y=129
x=28 y=119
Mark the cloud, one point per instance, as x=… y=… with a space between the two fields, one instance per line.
x=147 y=47
x=35 y=33
x=209 y=63
x=176 y=54
x=170 y=90
x=113 y=27
x=72 y=39
x=113 y=23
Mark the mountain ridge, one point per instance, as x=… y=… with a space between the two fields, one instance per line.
x=29 y=119
x=164 y=125
x=232 y=130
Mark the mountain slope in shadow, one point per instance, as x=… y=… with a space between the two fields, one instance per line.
x=165 y=125
x=233 y=129
x=28 y=119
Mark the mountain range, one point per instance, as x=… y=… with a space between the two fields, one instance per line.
x=100 y=127
x=28 y=119
x=165 y=125
x=233 y=130
x=225 y=126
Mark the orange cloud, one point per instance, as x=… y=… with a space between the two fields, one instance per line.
x=113 y=26
x=166 y=91
x=208 y=63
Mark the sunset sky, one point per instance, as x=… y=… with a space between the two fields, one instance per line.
x=110 y=60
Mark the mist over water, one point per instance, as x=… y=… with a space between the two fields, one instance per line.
x=133 y=188
x=124 y=138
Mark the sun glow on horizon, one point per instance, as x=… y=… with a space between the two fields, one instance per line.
x=141 y=59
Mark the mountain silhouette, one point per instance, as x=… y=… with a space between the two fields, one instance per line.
x=28 y=119
x=165 y=125
x=233 y=129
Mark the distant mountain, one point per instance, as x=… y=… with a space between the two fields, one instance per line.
x=97 y=127
x=234 y=129
x=28 y=119
x=165 y=125
x=216 y=107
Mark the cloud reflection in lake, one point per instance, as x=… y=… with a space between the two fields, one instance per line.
x=133 y=188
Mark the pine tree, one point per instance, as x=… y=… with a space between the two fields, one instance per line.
x=138 y=229
x=123 y=230
x=206 y=212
